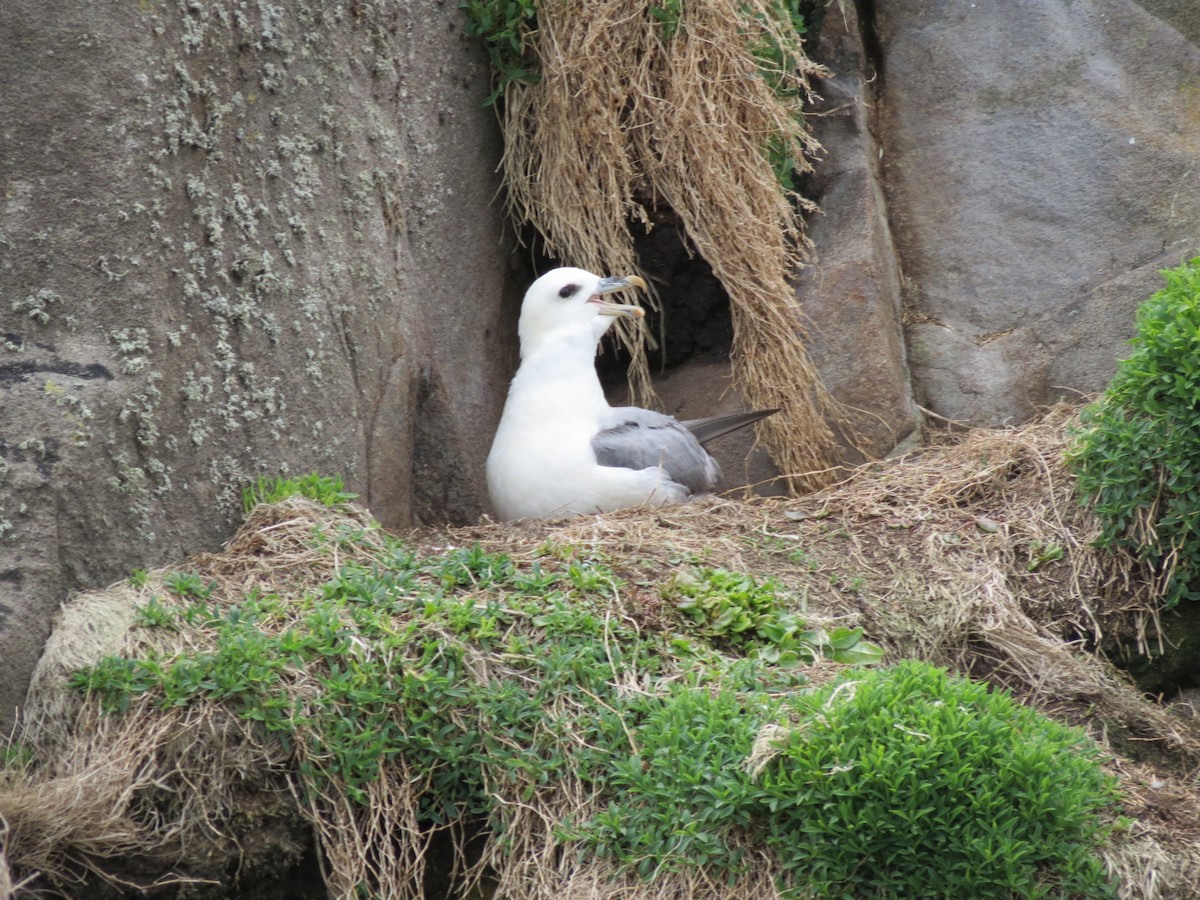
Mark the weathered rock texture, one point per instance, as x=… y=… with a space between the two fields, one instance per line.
x=852 y=290
x=1040 y=160
x=236 y=239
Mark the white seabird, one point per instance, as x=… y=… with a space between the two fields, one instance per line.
x=560 y=449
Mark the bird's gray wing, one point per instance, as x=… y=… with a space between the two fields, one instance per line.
x=715 y=426
x=634 y=438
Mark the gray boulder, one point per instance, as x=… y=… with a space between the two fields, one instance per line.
x=236 y=239
x=1040 y=161
x=851 y=292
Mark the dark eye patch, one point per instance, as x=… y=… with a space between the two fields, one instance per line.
x=567 y=290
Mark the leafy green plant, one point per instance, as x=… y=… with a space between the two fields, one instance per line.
x=725 y=605
x=1137 y=452
x=155 y=615
x=188 y=584
x=505 y=26
x=116 y=680
x=897 y=782
x=15 y=757
x=681 y=795
x=739 y=612
x=667 y=13
x=383 y=650
x=329 y=491
x=1042 y=552
x=471 y=566
x=906 y=782
x=774 y=61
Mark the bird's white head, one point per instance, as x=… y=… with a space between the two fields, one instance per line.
x=570 y=302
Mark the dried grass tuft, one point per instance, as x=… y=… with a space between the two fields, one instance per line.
x=7 y=888
x=932 y=555
x=624 y=120
x=1155 y=859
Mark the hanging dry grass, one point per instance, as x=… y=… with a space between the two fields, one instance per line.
x=947 y=556
x=630 y=114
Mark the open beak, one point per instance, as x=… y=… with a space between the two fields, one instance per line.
x=617 y=283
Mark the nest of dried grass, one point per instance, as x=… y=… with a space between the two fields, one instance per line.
x=629 y=115
x=946 y=556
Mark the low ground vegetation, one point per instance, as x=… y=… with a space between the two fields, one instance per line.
x=711 y=700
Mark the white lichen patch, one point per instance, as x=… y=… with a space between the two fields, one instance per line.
x=37 y=305
x=141 y=411
x=134 y=346
x=135 y=486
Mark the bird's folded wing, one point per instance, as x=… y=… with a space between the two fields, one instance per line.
x=712 y=427
x=634 y=438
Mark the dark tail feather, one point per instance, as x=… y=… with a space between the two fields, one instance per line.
x=705 y=430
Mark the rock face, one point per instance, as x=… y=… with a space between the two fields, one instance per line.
x=1040 y=161
x=852 y=290
x=1001 y=185
x=236 y=239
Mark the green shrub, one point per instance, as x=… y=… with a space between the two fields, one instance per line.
x=505 y=26
x=899 y=782
x=1137 y=452
x=906 y=782
x=381 y=652
x=678 y=798
x=188 y=584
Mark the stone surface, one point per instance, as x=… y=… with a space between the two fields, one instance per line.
x=851 y=292
x=235 y=240
x=1040 y=164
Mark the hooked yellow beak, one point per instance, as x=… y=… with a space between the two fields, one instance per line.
x=617 y=283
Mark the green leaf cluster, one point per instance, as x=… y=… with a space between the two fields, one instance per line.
x=384 y=650
x=682 y=798
x=668 y=14
x=329 y=491
x=188 y=584
x=897 y=782
x=243 y=666
x=742 y=614
x=1137 y=452
x=505 y=26
x=775 y=61
x=949 y=789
